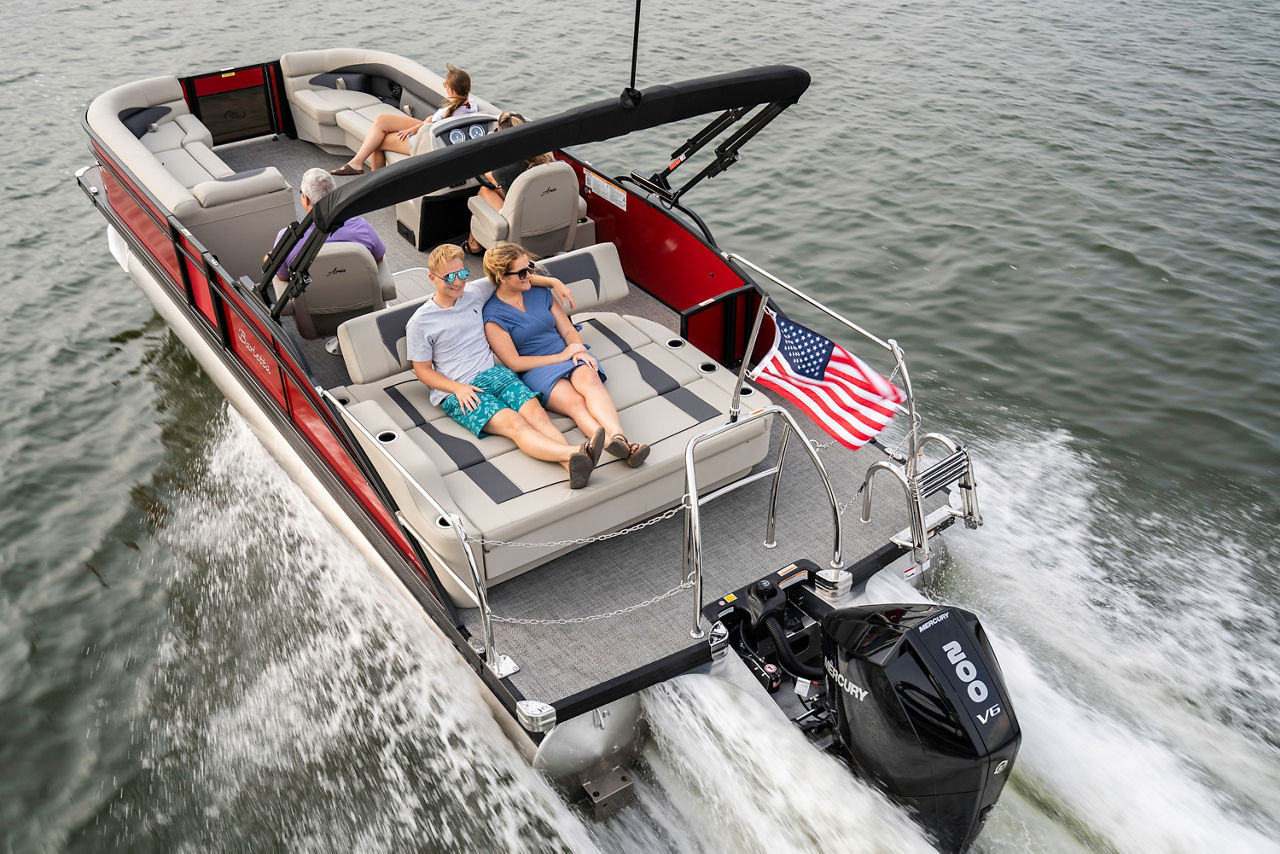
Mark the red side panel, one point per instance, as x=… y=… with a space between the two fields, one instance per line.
x=660 y=255
x=228 y=81
x=657 y=252
x=196 y=275
x=145 y=220
x=256 y=355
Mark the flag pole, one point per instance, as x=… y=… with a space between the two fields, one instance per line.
x=735 y=407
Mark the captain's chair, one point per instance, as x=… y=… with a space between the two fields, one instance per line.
x=345 y=282
x=541 y=211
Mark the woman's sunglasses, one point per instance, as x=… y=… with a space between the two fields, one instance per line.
x=521 y=274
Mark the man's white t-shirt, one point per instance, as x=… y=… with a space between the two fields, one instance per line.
x=452 y=339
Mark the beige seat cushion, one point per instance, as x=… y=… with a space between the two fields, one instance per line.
x=323 y=105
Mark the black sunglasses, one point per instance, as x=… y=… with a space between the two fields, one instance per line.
x=521 y=274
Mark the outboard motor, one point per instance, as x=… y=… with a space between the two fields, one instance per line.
x=919 y=703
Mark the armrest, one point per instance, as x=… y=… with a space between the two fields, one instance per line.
x=488 y=226
x=193 y=130
x=386 y=281
x=242 y=185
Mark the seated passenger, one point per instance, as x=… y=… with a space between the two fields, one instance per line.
x=532 y=335
x=447 y=347
x=395 y=131
x=314 y=186
x=495 y=185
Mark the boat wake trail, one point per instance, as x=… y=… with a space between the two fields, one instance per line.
x=298 y=702
x=741 y=778
x=1137 y=655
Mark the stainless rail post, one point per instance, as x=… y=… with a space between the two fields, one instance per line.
x=769 y=541
x=913 y=441
x=735 y=406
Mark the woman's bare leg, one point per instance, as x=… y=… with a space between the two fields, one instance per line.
x=596 y=399
x=383 y=136
x=567 y=400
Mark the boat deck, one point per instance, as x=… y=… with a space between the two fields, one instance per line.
x=570 y=654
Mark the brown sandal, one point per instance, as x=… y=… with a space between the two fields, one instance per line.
x=594 y=446
x=346 y=169
x=634 y=454
x=580 y=468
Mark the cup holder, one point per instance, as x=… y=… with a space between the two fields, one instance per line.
x=747 y=391
x=675 y=343
x=343 y=400
x=707 y=367
x=386 y=437
x=443 y=523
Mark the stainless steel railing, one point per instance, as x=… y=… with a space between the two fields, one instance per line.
x=958 y=466
x=899 y=359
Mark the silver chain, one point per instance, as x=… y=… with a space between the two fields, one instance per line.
x=584 y=540
x=688 y=585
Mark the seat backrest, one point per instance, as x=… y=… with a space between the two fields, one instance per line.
x=593 y=273
x=373 y=345
x=541 y=208
x=344 y=283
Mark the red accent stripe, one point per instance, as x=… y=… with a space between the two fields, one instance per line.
x=227 y=81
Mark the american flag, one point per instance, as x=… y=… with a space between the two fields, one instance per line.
x=847 y=398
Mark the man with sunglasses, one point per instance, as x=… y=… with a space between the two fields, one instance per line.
x=447 y=346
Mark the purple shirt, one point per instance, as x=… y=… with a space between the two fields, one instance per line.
x=354 y=230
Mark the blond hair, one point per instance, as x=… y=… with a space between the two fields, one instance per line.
x=460 y=82
x=499 y=258
x=441 y=255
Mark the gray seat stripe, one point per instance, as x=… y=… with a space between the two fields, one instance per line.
x=574 y=268
x=465 y=455
x=659 y=380
x=391 y=326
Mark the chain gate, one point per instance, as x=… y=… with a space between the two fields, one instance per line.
x=584 y=540
x=618 y=612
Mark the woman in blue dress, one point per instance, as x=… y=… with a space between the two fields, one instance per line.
x=531 y=335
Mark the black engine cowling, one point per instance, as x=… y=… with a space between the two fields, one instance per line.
x=920 y=705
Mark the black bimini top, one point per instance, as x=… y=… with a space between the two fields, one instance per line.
x=606 y=119
x=612 y=117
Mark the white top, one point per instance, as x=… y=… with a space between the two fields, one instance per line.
x=452 y=339
x=465 y=109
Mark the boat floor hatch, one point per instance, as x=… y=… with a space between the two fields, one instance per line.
x=565 y=656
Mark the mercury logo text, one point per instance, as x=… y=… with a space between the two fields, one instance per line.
x=848 y=687
x=924 y=627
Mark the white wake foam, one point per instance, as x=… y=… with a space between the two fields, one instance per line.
x=1132 y=648
x=315 y=706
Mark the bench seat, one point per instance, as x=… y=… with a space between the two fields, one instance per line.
x=148 y=129
x=336 y=94
x=666 y=392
